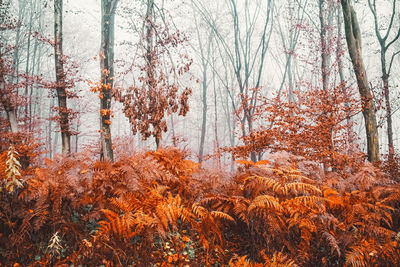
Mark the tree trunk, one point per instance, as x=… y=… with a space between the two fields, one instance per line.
x=204 y=64
x=16 y=58
x=204 y=120
x=342 y=79
x=385 y=45
x=60 y=78
x=385 y=79
x=49 y=132
x=12 y=119
x=5 y=101
x=216 y=120
x=28 y=53
x=353 y=37
x=108 y=8
x=149 y=59
x=324 y=52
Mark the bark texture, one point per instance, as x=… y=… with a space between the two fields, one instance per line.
x=108 y=8
x=353 y=38
x=60 y=78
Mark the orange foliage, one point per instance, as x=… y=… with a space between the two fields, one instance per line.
x=157 y=92
x=158 y=208
x=316 y=126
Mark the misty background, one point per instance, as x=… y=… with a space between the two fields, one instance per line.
x=289 y=30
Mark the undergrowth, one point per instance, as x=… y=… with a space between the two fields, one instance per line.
x=160 y=209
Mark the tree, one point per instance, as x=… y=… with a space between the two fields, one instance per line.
x=324 y=46
x=290 y=39
x=311 y=127
x=339 y=59
x=108 y=8
x=353 y=38
x=385 y=43
x=60 y=77
x=205 y=56
x=8 y=95
x=247 y=56
x=157 y=91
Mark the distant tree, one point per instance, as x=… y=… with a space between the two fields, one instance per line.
x=204 y=45
x=290 y=40
x=246 y=53
x=157 y=92
x=385 y=43
x=60 y=77
x=353 y=37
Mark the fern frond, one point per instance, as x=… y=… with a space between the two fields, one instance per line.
x=355 y=258
x=309 y=201
x=13 y=173
x=241 y=210
x=279 y=260
x=119 y=225
x=126 y=203
x=268 y=183
x=301 y=188
x=393 y=198
x=199 y=210
x=327 y=192
x=222 y=215
x=265 y=201
x=332 y=242
x=299 y=177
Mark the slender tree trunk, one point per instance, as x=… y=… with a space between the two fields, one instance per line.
x=21 y=14
x=55 y=143
x=50 y=130
x=31 y=110
x=32 y=71
x=339 y=47
x=60 y=77
x=108 y=8
x=174 y=141
x=339 y=60
x=204 y=120
x=353 y=37
x=324 y=52
x=149 y=57
x=204 y=64
x=216 y=121
x=77 y=138
x=290 y=79
x=385 y=44
x=28 y=53
x=386 y=93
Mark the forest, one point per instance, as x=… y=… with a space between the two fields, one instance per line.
x=199 y=133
